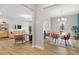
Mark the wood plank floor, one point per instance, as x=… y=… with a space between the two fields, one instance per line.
x=7 y=47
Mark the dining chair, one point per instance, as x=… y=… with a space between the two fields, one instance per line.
x=19 y=38
x=54 y=36
x=66 y=38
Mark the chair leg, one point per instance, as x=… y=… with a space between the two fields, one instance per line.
x=22 y=42
x=65 y=43
x=61 y=41
x=68 y=42
x=55 y=41
x=15 y=42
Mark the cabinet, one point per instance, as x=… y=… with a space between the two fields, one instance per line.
x=4 y=30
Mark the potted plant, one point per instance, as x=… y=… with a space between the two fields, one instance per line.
x=61 y=28
x=74 y=30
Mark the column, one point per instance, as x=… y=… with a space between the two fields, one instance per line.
x=37 y=30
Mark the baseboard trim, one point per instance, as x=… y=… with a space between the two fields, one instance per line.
x=37 y=47
x=33 y=46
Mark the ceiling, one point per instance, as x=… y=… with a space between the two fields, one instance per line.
x=16 y=11
x=59 y=10
x=24 y=11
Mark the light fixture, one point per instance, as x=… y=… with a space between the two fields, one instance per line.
x=62 y=19
x=58 y=19
x=26 y=16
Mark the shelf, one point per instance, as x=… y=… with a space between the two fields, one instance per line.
x=3 y=26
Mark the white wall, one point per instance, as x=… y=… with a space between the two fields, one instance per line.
x=47 y=25
x=55 y=25
x=11 y=22
x=71 y=21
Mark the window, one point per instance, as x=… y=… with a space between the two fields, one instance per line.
x=19 y=26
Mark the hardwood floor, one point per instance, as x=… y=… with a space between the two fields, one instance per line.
x=7 y=47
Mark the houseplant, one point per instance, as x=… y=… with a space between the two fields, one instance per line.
x=74 y=30
x=61 y=28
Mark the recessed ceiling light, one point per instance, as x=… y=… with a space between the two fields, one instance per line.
x=26 y=16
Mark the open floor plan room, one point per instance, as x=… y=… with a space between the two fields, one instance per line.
x=39 y=29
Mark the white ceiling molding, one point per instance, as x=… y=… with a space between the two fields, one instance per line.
x=48 y=6
x=26 y=6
